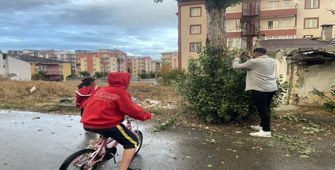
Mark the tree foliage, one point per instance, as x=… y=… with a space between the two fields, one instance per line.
x=169 y=75
x=145 y=75
x=214 y=91
x=39 y=76
x=329 y=102
x=85 y=73
x=100 y=74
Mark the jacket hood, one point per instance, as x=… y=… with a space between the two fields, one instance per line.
x=86 y=91
x=119 y=79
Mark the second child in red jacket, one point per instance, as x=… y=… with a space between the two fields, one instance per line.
x=85 y=88
x=105 y=110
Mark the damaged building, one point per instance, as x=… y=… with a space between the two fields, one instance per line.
x=306 y=64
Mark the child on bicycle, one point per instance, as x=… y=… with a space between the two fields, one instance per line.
x=85 y=88
x=105 y=110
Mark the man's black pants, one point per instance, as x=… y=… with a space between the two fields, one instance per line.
x=262 y=101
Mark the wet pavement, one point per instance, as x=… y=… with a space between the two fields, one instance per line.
x=37 y=141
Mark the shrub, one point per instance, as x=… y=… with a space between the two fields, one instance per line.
x=39 y=76
x=85 y=73
x=214 y=91
x=145 y=75
x=168 y=75
x=100 y=74
x=329 y=104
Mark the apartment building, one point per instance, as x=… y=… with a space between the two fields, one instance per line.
x=53 y=69
x=252 y=20
x=155 y=65
x=170 y=58
x=14 y=68
x=62 y=55
x=138 y=65
x=101 y=60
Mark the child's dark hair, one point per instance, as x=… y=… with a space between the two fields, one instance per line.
x=86 y=82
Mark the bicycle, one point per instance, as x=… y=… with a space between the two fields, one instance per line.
x=90 y=158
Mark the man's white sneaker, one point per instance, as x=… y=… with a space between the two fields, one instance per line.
x=261 y=133
x=257 y=127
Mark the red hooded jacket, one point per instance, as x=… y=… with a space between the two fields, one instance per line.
x=83 y=94
x=108 y=105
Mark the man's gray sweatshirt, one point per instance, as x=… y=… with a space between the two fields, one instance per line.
x=260 y=73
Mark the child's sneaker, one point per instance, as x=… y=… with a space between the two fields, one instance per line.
x=261 y=133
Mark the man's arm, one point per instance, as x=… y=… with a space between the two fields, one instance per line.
x=247 y=65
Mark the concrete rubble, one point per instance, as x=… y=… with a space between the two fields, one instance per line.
x=148 y=103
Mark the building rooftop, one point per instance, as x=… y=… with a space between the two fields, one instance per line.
x=37 y=59
x=303 y=43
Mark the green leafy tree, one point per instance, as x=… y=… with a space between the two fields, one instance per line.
x=169 y=75
x=85 y=73
x=99 y=74
x=215 y=92
x=39 y=76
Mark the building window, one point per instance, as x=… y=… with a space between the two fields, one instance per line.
x=195 y=12
x=287 y=3
x=311 y=23
x=195 y=46
x=309 y=4
x=287 y=24
x=45 y=67
x=234 y=42
x=60 y=67
x=195 y=29
x=273 y=4
x=280 y=37
x=272 y=25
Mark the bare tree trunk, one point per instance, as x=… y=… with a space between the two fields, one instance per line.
x=215 y=26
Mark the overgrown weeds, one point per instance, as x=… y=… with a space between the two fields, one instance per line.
x=17 y=95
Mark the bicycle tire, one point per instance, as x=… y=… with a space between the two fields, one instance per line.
x=140 y=141
x=68 y=165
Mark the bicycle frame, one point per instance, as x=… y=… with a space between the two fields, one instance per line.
x=102 y=147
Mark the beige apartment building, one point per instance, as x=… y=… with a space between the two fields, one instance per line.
x=138 y=65
x=252 y=20
x=170 y=58
x=101 y=60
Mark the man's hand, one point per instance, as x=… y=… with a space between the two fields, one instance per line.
x=248 y=55
x=238 y=55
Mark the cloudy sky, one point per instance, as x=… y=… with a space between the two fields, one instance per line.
x=137 y=27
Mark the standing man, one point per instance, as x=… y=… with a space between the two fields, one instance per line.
x=262 y=83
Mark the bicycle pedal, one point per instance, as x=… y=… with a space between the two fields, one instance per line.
x=110 y=153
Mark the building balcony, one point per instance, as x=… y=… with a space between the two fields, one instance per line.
x=233 y=15
x=279 y=31
x=53 y=72
x=279 y=11
x=233 y=29
x=278 y=28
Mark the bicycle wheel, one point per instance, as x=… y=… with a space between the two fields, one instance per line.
x=140 y=141
x=78 y=160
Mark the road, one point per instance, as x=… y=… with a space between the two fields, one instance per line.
x=37 y=141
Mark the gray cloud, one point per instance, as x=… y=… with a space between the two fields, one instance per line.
x=136 y=27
